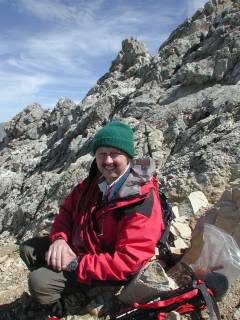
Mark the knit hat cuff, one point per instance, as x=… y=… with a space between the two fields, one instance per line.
x=119 y=143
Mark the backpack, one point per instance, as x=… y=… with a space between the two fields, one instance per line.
x=192 y=298
x=168 y=217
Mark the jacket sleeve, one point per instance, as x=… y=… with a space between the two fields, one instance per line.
x=62 y=224
x=138 y=232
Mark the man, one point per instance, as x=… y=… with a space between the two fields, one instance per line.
x=107 y=227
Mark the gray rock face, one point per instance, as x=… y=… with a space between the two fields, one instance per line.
x=183 y=104
x=2 y=131
x=27 y=124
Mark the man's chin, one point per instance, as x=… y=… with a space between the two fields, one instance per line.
x=110 y=177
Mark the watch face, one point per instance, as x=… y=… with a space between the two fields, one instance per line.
x=73 y=265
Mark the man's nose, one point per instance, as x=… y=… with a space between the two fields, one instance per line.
x=109 y=159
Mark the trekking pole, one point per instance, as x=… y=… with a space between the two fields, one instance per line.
x=138 y=314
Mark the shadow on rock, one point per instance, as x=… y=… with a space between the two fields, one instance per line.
x=23 y=308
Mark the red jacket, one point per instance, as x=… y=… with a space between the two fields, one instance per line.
x=113 y=240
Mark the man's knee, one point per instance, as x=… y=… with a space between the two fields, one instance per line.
x=46 y=285
x=25 y=251
x=37 y=283
x=32 y=252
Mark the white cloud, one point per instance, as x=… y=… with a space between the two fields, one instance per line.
x=63 y=52
x=14 y=85
x=47 y=9
x=94 y=28
x=17 y=91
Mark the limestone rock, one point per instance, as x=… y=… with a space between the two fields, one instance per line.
x=180 y=233
x=175 y=211
x=181 y=229
x=133 y=54
x=9 y=180
x=237 y=314
x=198 y=200
x=27 y=124
x=195 y=73
x=180 y=243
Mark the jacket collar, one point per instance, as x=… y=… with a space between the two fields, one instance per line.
x=112 y=189
x=142 y=171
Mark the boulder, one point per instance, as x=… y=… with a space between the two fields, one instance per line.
x=198 y=201
x=27 y=124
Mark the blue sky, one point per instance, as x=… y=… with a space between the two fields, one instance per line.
x=59 y=48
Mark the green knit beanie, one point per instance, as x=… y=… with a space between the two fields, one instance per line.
x=117 y=135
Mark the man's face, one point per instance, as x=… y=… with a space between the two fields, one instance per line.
x=111 y=162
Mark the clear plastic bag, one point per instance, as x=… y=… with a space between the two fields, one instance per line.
x=220 y=253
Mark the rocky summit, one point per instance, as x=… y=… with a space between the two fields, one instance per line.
x=184 y=107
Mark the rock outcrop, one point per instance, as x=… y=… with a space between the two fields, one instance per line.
x=2 y=131
x=183 y=104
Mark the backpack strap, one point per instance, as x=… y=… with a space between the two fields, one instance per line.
x=168 y=216
x=210 y=301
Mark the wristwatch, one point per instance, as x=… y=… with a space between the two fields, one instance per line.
x=73 y=265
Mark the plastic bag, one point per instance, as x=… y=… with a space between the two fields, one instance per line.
x=220 y=253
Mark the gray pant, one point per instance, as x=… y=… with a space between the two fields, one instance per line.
x=48 y=285
x=45 y=284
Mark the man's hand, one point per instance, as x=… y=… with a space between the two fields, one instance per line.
x=59 y=255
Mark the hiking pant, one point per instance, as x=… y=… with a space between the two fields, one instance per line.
x=47 y=285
